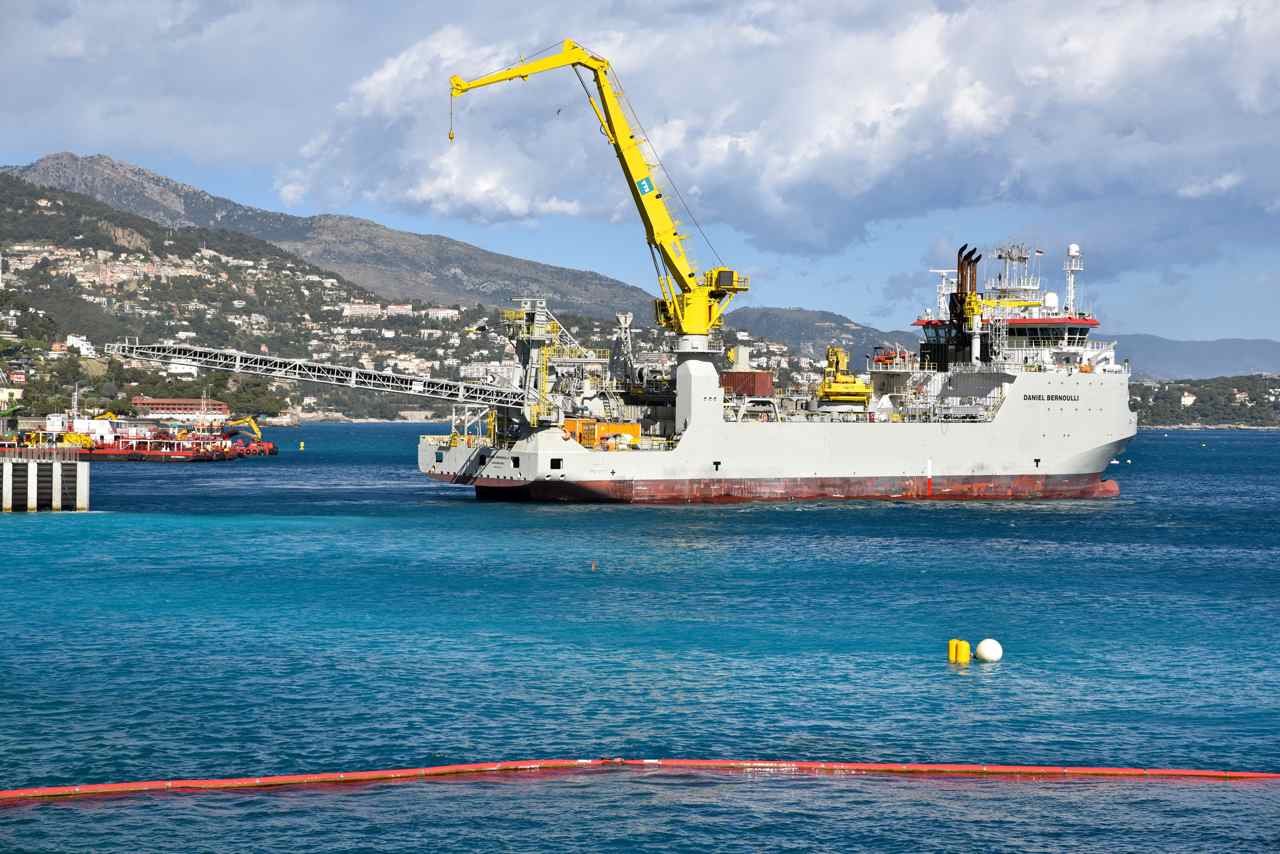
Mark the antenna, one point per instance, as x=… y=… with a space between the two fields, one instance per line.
x=944 y=289
x=1074 y=264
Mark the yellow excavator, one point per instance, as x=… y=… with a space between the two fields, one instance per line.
x=257 y=447
x=247 y=421
x=838 y=385
x=691 y=305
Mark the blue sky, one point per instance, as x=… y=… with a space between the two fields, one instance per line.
x=834 y=151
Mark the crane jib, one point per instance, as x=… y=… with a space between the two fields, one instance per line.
x=695 y=305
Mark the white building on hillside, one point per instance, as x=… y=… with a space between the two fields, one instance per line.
x=84 y=345
x=361 y=309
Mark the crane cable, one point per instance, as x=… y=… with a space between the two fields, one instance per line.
x=671 y=180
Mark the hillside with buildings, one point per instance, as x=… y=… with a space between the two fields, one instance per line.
x=78 y=275
x=1251 y=400
x=398 y=266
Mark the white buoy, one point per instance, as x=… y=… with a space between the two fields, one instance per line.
x=989 y=649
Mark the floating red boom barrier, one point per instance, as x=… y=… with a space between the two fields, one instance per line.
x=772 y=766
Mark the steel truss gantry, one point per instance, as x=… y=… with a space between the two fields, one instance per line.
x=236 y=362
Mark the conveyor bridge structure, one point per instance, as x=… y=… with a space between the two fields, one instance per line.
x=236 y=362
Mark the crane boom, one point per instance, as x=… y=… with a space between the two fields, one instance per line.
x=689 y=305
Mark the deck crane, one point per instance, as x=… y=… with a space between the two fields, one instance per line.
x=690 y=305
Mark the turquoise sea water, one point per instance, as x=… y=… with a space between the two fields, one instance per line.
x=334 y=610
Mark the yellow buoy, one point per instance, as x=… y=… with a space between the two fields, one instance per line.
x=302 y=446
x=958 y=651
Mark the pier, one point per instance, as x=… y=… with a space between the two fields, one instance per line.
x=43 y=479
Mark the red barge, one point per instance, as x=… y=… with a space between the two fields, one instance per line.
x=106 y=438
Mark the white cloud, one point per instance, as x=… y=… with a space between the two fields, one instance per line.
x=800 y=127
x=291 y=192
x=1215 y=187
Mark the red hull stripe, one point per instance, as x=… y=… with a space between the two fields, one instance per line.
x=712 y=490
x=780 y=766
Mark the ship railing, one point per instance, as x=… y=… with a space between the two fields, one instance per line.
x=1089 y=347
x=1012 y=363
x=908 y=364
x=455 y=440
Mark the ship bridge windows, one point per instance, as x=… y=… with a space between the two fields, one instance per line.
x=1044 y=337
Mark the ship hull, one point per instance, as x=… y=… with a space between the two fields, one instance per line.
x=724 y=490
x=1052 y=437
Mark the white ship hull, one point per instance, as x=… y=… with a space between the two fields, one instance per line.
x=1051 y=437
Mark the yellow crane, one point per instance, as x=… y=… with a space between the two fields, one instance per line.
x=975 y=304
x=691 y=305
x=840 y=386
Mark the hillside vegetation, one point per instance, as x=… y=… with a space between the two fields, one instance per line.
x=1251 y=400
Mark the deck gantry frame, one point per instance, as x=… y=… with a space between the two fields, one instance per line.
x=236 y=362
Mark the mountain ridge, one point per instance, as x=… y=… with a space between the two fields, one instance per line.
x=808 y=331
x=1154 y=357
x=395 y=265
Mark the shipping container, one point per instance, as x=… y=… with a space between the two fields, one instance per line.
x=747 y=383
